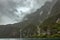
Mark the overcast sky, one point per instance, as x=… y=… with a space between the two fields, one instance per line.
x=13 y=11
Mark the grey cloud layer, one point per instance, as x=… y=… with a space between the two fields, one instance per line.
x=11 y=10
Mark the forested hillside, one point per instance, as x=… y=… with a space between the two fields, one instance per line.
x=43 y=23
x=50 y=28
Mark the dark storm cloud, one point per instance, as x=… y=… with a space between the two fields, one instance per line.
x=11 y=10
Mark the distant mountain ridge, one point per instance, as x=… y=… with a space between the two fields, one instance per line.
x=33 y=19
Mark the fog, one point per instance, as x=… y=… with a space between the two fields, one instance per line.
x=13 y=11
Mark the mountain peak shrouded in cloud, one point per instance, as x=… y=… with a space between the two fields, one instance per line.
x=13 y=11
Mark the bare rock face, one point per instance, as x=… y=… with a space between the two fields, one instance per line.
x=35 y=19
x=9 y=31
x=28 y=27
x=58 y=21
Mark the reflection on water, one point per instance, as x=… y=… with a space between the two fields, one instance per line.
x=11 y=39
x=40 y=39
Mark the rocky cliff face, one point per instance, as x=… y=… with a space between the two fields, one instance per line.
x=55 y=9
x=29 y=27
x=35 y=19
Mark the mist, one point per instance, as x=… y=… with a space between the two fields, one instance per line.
x=13 y=11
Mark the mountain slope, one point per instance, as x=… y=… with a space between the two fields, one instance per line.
x=30 y=26
x=50 y=28
x=35 y=18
